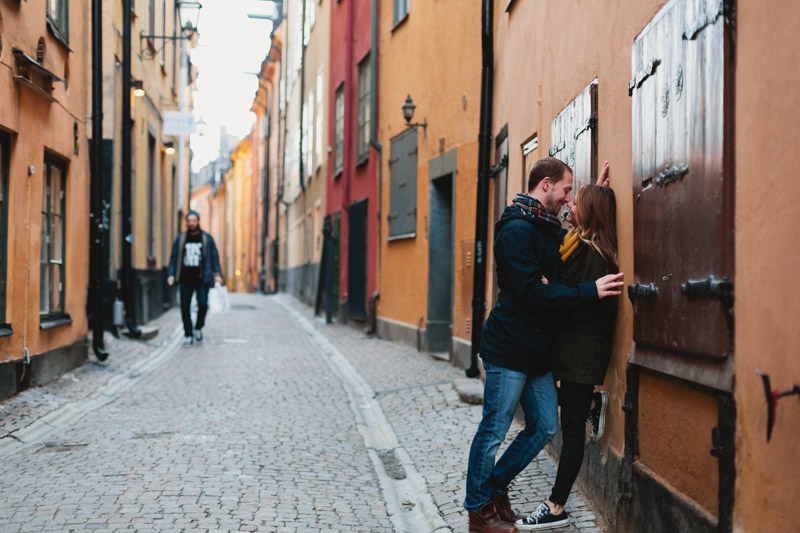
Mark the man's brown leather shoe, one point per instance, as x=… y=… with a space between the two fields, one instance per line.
x=504 y=510
x=487 y=521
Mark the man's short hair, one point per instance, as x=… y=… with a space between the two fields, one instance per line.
x=549 y=167
x=193 y=212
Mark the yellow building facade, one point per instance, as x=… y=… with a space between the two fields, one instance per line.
x=429 y=174
x=44 y=190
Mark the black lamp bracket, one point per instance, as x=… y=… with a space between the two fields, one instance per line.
x=149 y=51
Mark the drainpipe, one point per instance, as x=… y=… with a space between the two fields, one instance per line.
x=128 y=290
x=98 y=228
x=373 y=70
x=348 y=105
x=482 y=209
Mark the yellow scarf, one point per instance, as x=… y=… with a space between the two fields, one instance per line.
x=570 y=244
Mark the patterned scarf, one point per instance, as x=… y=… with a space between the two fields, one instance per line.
x=535 y=209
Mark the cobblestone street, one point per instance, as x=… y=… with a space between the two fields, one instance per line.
x=275 y=422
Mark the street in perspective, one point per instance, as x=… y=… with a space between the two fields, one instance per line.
x=274 y=422
x=408 y=266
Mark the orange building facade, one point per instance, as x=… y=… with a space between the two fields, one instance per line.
x=683 y=98
x=44 y=190
x=429 y=173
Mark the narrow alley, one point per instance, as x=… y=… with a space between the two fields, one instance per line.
x=275 y=422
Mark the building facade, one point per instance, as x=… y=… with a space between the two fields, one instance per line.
x=674 y=95
x=352 y=184
x=159 y=195
x=44 y=190
x=429 y=173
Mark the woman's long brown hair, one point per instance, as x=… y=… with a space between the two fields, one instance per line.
x=597 y=213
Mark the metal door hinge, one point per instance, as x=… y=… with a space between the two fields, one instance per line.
x=716 y=448
x=726 y=10
x=628 y=405
x=495 y=170
x=589 y=124
x=645 y=291
x=711 y=287
x=557 y=148
x=642 y=74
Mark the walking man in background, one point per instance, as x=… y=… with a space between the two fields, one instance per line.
x=194 y=263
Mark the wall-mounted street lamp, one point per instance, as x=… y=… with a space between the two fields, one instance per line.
x=169 y=148
x=408 y=114
x=138 y=88
x=189 y=15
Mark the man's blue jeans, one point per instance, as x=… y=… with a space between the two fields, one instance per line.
x=503 y=390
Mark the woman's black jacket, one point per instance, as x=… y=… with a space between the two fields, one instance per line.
x=584 y=335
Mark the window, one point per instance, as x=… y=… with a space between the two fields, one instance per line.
x=573 y=134
x=338 y=156
x=400 y=10
x=318 y=127
x=362 y=134
x=58 y=18
x=530 y=154
x=402 y=215
x=51 y=281
x=151 y=17
x=5 y=146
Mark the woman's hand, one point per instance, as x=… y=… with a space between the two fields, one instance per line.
x=603 y=180
x=609 y=285
x=544 y=281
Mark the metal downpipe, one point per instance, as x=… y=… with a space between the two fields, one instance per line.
x=482 y=209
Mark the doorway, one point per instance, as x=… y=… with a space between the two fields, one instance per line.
x=357 y=260
x=440 y=265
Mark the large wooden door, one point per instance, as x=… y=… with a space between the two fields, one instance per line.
x=683 y=183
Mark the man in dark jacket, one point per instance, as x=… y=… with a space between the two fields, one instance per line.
x=195 y=264
x=516 y=339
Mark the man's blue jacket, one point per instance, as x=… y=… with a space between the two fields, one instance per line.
x=519 y=331
x=211 y=266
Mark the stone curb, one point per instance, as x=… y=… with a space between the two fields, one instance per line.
x=72 y=411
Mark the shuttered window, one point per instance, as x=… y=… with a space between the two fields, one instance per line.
x=682 y=189
x=403 y=186
x=364 y=95
x=400 y=10
x=338 y=152
x=573 y=135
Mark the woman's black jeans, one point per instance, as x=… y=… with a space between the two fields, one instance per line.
x=575 y=400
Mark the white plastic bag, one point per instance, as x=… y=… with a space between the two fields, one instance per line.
x=223 y=296
x=215 y=302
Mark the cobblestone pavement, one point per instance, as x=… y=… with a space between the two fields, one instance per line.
x=250 y=430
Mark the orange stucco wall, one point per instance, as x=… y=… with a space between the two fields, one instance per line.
x=38 y=126
x=767 y=302
x=540 y=67
x=441 y=71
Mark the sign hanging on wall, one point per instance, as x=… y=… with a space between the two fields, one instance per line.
x=178 y=123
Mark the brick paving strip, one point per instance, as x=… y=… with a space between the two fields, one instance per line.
x=69 y=412
x=436 y=428
x=399 y=463
x=408 y=500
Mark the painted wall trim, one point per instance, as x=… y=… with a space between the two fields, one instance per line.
x=447 y=163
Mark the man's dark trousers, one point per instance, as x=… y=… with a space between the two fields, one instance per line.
x=186 y=291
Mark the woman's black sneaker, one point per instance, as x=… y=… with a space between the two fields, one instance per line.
x=597 y=415
x=542 y=518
